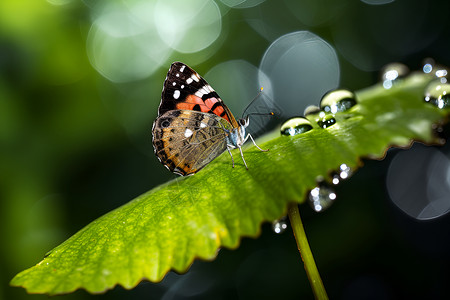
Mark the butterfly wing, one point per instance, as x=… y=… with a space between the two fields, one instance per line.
x=185 y=140
x=185 y=89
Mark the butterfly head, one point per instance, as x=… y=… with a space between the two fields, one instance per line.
x=243 y=122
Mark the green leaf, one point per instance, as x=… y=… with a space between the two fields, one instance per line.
x=192 y=217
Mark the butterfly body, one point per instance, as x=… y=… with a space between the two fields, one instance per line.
x=193 y=126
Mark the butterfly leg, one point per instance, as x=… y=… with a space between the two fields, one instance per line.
x=232 y=160
x=250 y=136
x=242 y=155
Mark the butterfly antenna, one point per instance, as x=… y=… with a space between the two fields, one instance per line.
x=254 y=99
x=262 y=114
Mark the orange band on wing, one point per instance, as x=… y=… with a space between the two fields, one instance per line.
x=205 y=106
x=210 y=102
x=190 y=102
x=219 y=110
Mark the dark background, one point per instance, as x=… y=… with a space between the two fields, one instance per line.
x=75 y=142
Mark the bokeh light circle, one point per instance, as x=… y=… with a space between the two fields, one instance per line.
x=122 y=47
x=377 y=2
x=59 y=2
x=242 y=3
x=191 y=27
x=418 y=182
x=301 y=68
x=236 y=81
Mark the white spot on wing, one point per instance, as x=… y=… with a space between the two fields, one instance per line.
x=198 y=94
x=176 y=94
x=178 y=75
x=182 y=86
x=204 y=91
x=202 y=125
x=174 y=83
x=208 y=88
x=182 y=68
x=189 y=80
x=188 y=132
x=195 y=77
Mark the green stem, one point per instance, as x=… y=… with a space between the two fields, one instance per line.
x=305 y=252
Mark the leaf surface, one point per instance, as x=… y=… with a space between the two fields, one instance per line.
x=192 y=217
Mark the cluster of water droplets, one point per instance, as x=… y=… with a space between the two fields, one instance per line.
x=344 y=172
x=332 y=103
x=423 y=190
x=437 y=92
x=323 y=195
x=393 y=73
x=280 y=225
x=418 y=179
x=438 y=71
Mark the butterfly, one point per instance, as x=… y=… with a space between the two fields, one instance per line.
x=194 y=126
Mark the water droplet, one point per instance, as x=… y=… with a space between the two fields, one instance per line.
x=279 y=226
x=336 y=179
x=337 y=101
x=311 y=109
x=438 y=94
x=345 y=171
x=321 y=197
x=392 y=73
x=325 y=120
x=295 y=126
x=427 y=68
x=441 y=73
x=430 y=67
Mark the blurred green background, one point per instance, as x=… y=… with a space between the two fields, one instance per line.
x=80 y=83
